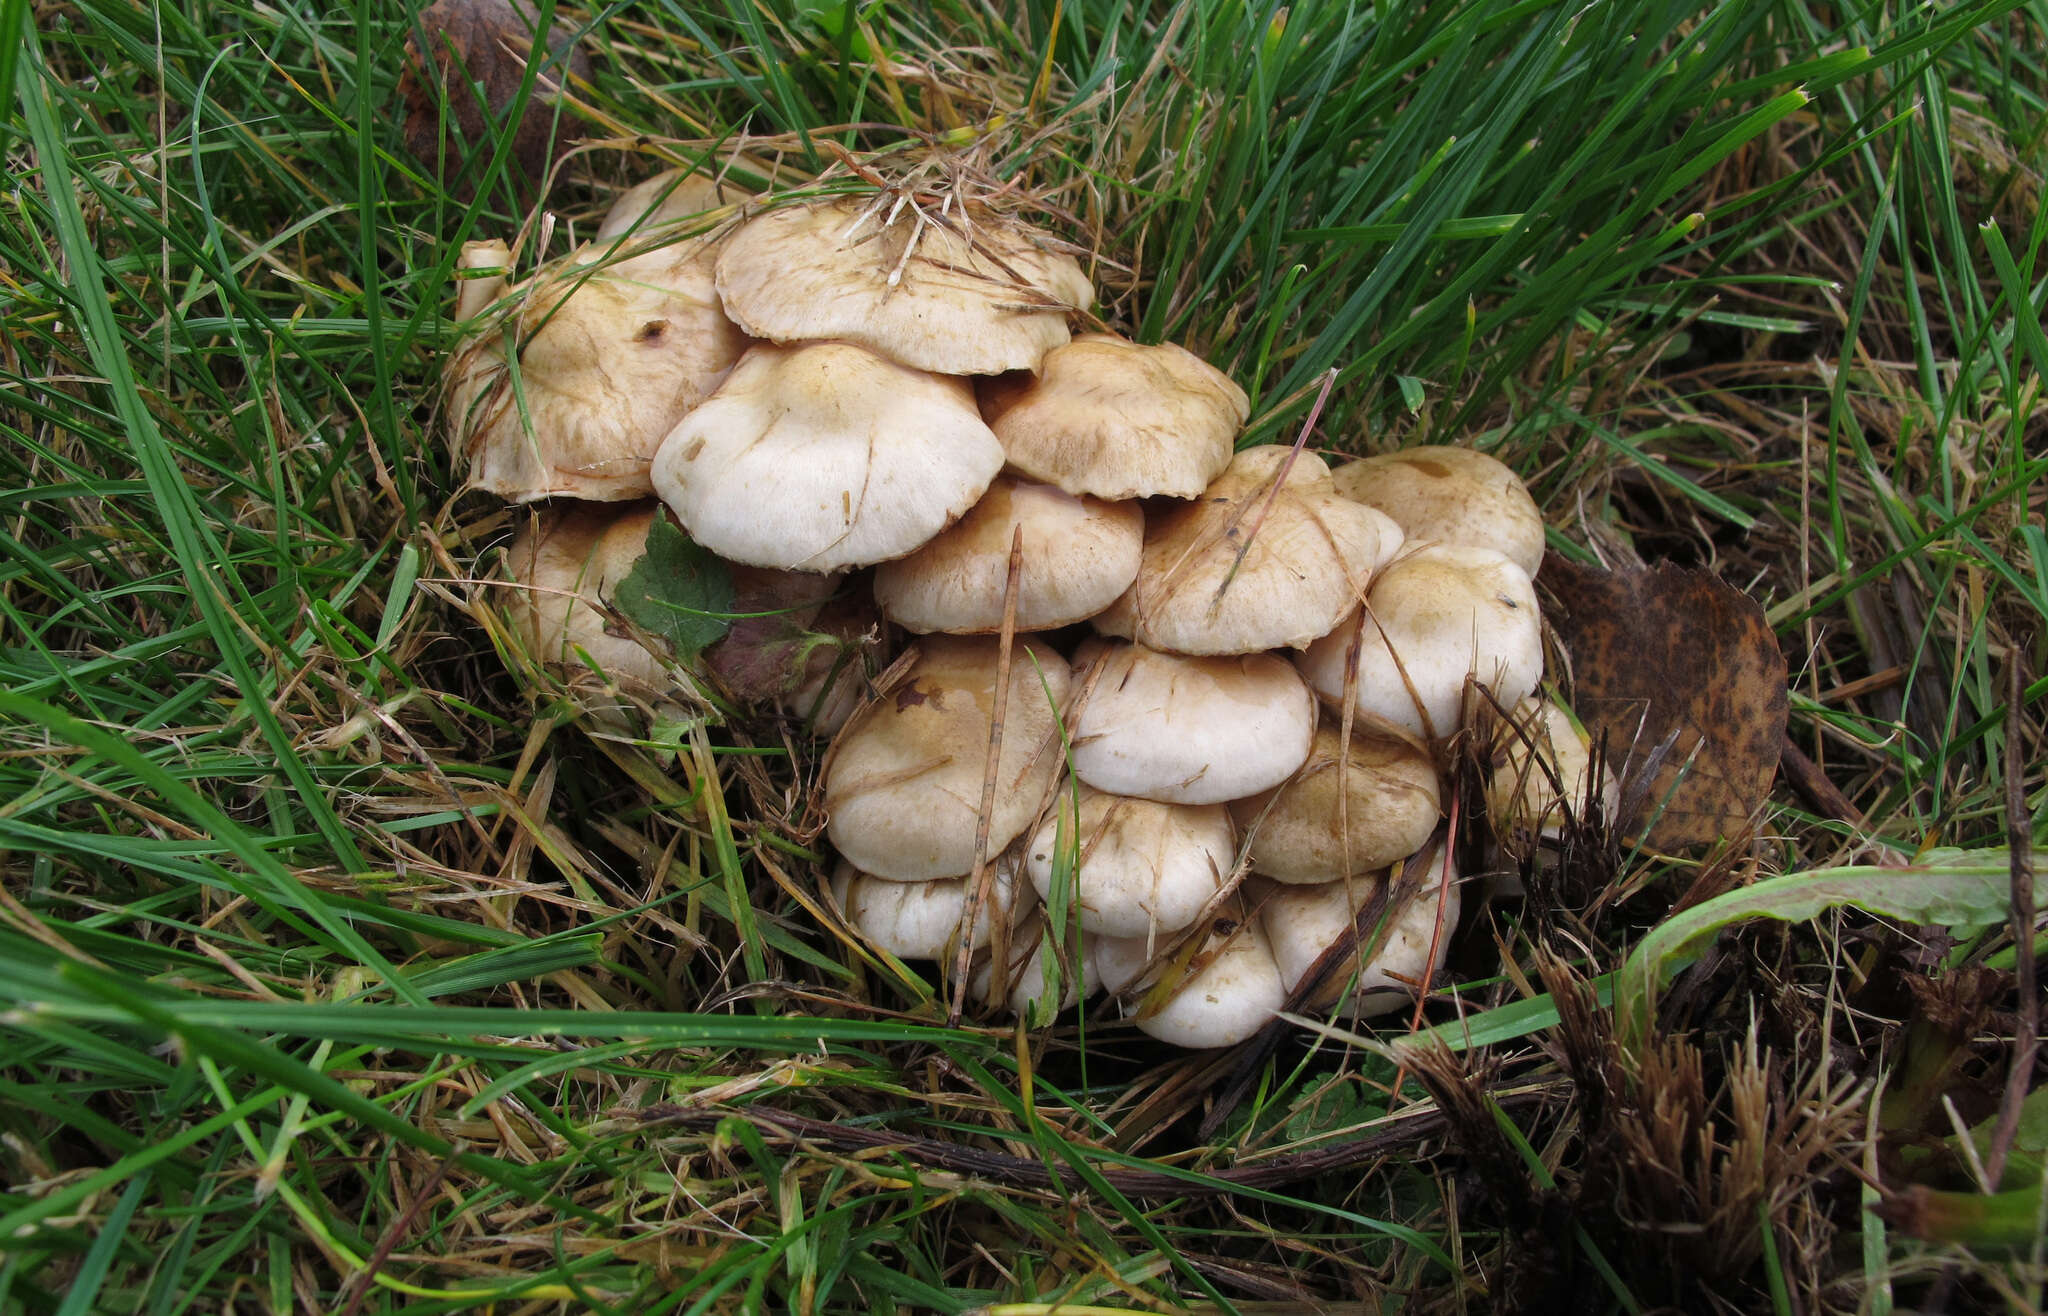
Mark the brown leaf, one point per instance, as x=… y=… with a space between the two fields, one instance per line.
x=1675 y=652
x=456 y=99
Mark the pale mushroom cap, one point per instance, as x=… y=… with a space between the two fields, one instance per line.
x=922 y=920
x=826 y=456
x=475 y=293
x=1310 y=558
x=1024 y=972
x=1304 y=921
x=610 y=357
x=1344 y=812
x=1078 y=554
x=1231 y=989
x=1141 y=867
x=976 y=296
x=1189 y=730
x=837 y=672
x=668 y=197
x=903 y=788
x=1115 y=419
x=564 y=563
x=1451 y=495
x=1446 y=612
x=1521 y=797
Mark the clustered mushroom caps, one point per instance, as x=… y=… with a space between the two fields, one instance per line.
x=888 y=389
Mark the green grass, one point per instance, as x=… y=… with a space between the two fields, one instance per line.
x=324 y=944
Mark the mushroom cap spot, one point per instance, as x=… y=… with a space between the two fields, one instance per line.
x=1078 y=555
x=825 y=456
x=1304 y=921
x=568 y=390
x=564 y=563
x=903 y=788
x=1437 y=615
x=1140 y=867
x=1115 y=419
x=1351 y=809
x=1185 y=730
x=1451 y=495
x=978 y=293
x=1248 y=566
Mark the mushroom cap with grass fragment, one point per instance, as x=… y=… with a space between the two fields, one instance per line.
x=1436 y=616
x=967 y=292
x=1111 y=418
x=903 y=787
x=1538 y=749
x=563 y=565
x=1450 y=495
x=1024 y=988
x=1078 y=554
x=1184 y=730
x=568 y=388
x=1305 y=921
x=922 y=920
x=1227 y=989
x=825 y=456
x=1349 y=810
x=1262 y=560
x=1139 y=866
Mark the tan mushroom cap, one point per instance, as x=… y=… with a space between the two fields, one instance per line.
x=1181 y=730
x=1311 y=555
x=564 y=563
x=1349 y=810
x=610 y=355
x=1139 y=867
x=1078 y=554
x=1451 y=495
x=903 y=788
x=1111 y=418
x=922 y=920
x=825 y=456
x=1304 y=921
x=669 y=197
x=1538 y=749
x=1437 y=615
x=976 y=294
x=1229 y=989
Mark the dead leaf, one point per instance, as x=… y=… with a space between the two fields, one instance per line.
x=478 y=55
x=1672 y=649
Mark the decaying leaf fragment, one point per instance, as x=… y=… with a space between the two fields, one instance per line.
x=1664 y=649
x=463 y=68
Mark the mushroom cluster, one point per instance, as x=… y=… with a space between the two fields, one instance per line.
x=1169 y=715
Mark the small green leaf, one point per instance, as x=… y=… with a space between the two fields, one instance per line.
x=679 y=591
x=1412 y=396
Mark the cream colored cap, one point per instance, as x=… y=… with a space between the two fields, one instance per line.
x=610 y=356
x=1535 y=751
x=1309 y=559
x=1139 y=867
x=825 y=456
x=565 y=562
x=922 y=920
x=1025 y=989
x=671 y=196
x=1108 y=417
x=1229 y=989
x=967 y=293
x=1305 y=921
x=1344 y=812
x=1438 y=614
x=1078 y=554
x=904 y=784
x=1181 y=730
x=1451 y=495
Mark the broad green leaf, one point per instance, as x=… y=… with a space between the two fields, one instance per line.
x=678 y=591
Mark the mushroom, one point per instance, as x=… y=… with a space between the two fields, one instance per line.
x=1223 y=993
x=825 y=456
x=1268 y=557
x=1451 y=495
x=567 y=389
x=565 y=562
x=903 y=789
x=922 y=920
x=1025 y=988
x=967 y=292
x=1108 y=417
x=1541 y=760
x=1078 y=554
x=1305 y=921
x=1437 y=616
x=1351 y=809
x=1137 y=867
x=1188 y=730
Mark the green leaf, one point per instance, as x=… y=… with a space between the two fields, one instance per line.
x=679 y=591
